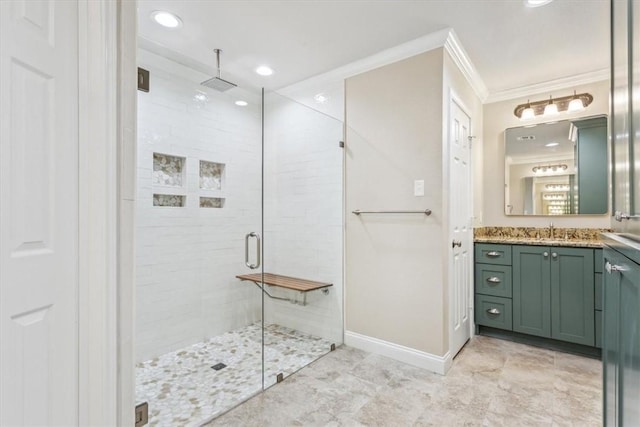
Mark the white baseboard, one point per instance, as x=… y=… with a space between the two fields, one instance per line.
x=431 y=362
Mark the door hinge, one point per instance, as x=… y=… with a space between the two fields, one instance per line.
x=143 y=79
x=142 y=414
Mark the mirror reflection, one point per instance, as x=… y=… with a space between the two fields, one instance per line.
x=557 y=168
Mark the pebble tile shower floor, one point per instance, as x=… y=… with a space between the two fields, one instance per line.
x=183 y=389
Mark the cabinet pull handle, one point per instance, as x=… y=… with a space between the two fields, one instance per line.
x=545 y=254
x=493 y=254
x=493 y=311
x=554 y=254
x=612 y=268
x=493 y=279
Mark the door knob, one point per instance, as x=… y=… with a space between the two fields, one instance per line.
x=545 y=254
x=554 y=254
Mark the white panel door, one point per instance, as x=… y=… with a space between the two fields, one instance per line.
x=460 y=230
x=38 y=213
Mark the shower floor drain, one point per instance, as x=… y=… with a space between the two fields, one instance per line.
x=218 y=366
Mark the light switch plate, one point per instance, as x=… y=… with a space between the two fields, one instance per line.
x=418 y=187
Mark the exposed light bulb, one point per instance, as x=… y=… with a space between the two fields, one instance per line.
x=575 y=105
x=528 y=114
x=550 y=109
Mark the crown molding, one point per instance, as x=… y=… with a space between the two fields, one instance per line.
x=336 y=76
x=549 y=86
x=462 y=60
x=334 y=79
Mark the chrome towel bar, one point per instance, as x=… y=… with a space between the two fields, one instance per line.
x=424 y=212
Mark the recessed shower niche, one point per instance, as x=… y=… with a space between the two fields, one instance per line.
x=168 y=170
x=211 y=175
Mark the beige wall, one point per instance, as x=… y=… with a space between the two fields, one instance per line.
x=393 y=137
x=498 y=116
x=396 y=265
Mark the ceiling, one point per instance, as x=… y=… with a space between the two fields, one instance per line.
x=555 y=132
x=510 y=45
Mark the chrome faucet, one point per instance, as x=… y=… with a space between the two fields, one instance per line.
x=551 y=229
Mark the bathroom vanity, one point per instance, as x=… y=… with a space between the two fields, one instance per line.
x=542 y=290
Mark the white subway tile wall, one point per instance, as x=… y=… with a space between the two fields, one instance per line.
x=187 y=258
x=303 y=213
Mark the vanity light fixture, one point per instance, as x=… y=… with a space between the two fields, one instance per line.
x=557 y=187
x=166 y=19
x=554 y=196
x=550 y=109
x=553 y=105
x=576 y=104
x=528 y=113
x=550 y=168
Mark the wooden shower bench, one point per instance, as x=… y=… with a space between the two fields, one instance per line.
x=286 y=282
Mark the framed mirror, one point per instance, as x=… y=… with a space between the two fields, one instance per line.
x=557 y=168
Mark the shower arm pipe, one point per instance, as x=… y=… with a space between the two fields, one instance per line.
x=426 y=212
x=217 y=51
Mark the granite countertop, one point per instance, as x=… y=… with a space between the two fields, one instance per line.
x=575 y=243
x=572 y=237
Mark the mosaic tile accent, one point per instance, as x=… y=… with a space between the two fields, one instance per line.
x=211 y=202
x=577 y=237
x=211 y=175
x=167 y=170
x=182 y=388
x=169 y=200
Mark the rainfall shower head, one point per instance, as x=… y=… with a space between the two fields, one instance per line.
x=218 y=83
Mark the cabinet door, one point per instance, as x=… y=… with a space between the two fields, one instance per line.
x=629 y=343
x=572 y=295
x=531 y=290
x=610 y=355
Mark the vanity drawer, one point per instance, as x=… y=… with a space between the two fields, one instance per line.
x=493 y=280
x=493 y=254
x=494 y=312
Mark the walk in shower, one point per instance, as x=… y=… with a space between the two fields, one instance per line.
x=239 y=241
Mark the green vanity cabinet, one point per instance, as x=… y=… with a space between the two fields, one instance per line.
x=572 y=295
x=493 y=286
x=598 y=278
x=531 y=290
x=547 y=291
x=553 y=293
x=621 y=340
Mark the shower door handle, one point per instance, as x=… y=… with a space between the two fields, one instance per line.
x=246 y=250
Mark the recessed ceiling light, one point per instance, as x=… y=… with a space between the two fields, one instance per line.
x=242 y=103
x=536 y=3
x=552 y=144
x=166 y=19
x=263 y=70
x=321 y=98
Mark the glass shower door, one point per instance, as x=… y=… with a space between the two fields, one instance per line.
x=303 y=236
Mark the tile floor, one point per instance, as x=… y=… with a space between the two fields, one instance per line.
x=492 y=383
x=183 y=390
